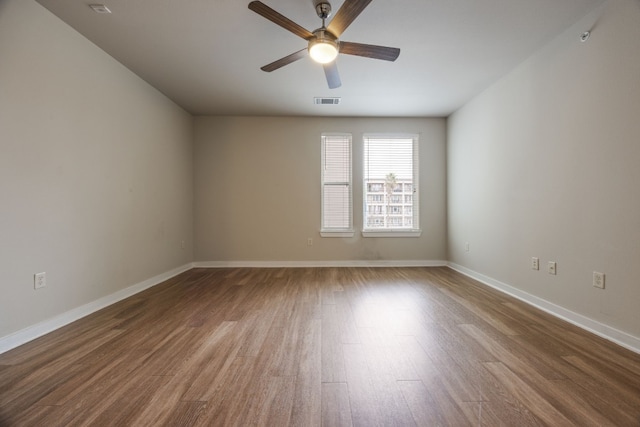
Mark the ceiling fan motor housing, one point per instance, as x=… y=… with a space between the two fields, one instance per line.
x=323 y=9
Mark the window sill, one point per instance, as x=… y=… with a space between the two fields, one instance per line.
x=391 y=233
x=342 y=233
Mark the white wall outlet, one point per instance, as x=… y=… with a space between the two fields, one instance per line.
x=551 y=267
x=182 y=244
x=598 y=279
x=535 y=263
x=309 y=241
x=466 y=247
x=39 y=280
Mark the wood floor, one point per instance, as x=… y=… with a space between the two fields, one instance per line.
x=320 y=346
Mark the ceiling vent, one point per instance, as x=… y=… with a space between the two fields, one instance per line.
x=326 y=101
x=99 y=8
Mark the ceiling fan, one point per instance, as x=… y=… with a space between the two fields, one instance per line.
x=324 y=45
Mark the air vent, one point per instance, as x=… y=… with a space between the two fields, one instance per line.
x=326 y=101
x=99 y=8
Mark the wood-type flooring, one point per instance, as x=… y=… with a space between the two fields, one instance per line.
x=320 y=346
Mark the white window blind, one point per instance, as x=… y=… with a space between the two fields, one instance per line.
x=336 y=185
x=391 y=184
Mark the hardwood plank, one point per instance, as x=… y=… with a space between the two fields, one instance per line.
x=272 y=402
x=487 y=315
x=234 y=392
x=320 y=346
x=585 y=408
x=457 y=381
x=619 y=384
x=37 y=416
x=307 y=399
x=32 y=378
x=392 y=359
x=256 y=325
x=573 y=407
x=183 y=414
x=83 y=380
x=480 y=414
x=424 y=407
x=208 y=361
x=332 y=360
x=533 y=347
x=336 y=409
x=517 y=362
x=121 y=408
x=345 y=318
x=164 y=405
x=500 y=407
x=364 y=407
x=375 y=399
x=527 y=395
x=463 y=388
x=85 y=336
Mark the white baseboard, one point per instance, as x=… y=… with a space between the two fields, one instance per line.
x=301 y=264
x=621 y=338
x=32 y=332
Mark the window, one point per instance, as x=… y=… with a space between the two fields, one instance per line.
x=390 y=186
x=337 y=218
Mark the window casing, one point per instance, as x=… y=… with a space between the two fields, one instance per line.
x=390 y=187
x=337 y=207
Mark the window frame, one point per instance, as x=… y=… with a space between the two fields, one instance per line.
x=415 y=230
x=336 y=232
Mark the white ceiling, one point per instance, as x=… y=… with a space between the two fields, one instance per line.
x=206 y=54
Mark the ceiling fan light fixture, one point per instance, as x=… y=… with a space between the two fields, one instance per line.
x=323 y=45
x=323 y=48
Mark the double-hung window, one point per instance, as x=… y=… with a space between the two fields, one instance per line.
x=390 y=187
x=337 y=209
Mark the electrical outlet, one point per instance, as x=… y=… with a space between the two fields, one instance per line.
x=182 y=244
x=551 y=267
x=39 y=280
x=535 y=263
x=466 y=247
x=309 y=241
x=598 y=279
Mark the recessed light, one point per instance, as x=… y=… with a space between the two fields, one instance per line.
x=99 y=8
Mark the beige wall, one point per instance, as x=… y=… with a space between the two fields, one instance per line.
x=96 y=184
x=257 y=183
x=546 y=163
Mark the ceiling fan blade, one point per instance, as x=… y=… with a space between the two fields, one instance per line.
x=332 y=75
x=349 y=11
x=285 y=61
x=370 y=51
x=273 y=16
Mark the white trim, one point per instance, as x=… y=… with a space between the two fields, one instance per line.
x=621 y=338
x=415 y=181
x=301 y=264
x=323 y=184
x=391 y=233
x=34 y=331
